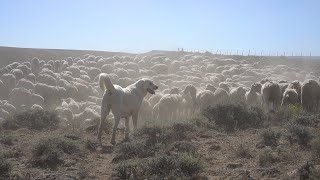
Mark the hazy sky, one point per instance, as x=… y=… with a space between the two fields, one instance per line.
x=143 y=25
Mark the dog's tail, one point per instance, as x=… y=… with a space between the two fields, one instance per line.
x=105 y=82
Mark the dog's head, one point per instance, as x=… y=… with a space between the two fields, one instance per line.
x=147 y=84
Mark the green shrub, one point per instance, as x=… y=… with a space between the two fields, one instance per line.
x=307 y=119
x=268 y=157
x=92 y=145
x=234 y=116
x=38 y=120
x=48 y=152
x=300 y=134
x=270 y=137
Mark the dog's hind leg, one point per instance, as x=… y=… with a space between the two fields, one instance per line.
x=105 y=110
x=126 y=135
x=117 y=117
x=135 y=121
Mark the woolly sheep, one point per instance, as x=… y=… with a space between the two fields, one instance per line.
x=297 y=86
x=25 y=69
x=4 y=91
x=8 y=107
x=47 y=79
x=107 y=68
x=238 y=94
x=310 y=95
x=121 y=73
x=18 y=74
x=9 y=81
x=271 y=95
x=169 y=107
x=25 y=84
x=20 y=96
x=36 y=107
x=224 y=86
x=253 y=97
x=31 y=77
x=160 y=68
x=290 y=96
x=211 y=87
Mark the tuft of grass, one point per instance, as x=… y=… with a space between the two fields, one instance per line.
x=180 y=166
x=7 y=140
x=48 y=152
x=5 y=167
x=243 y=151
x=133 y=149
x=315 y=148
x=270 y=137
x=234 y=116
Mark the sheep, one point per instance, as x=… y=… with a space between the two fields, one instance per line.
x=175 y=90
x=160 y=68
x=107 y=68
x=4 y=91
x=49 y=93
x=297 y=86
x=154 y=99
x=145 y=112
x=31 y=77
x=220 y=95
x=190 y=97
x=310 y=95
x=20 y=96
x=253 y=97
x=17 y=73
x=25 y=84
x=290 y=96
x=238 y=94
x=204 y=99
x=271 y=95
x=4 y=114
x=169 y=107
x=224 y=86
x=74 y=70
x=211 y=87
x=5 y=105
x=36 y=107
x=25 y=69
x=9 y=80
x=47 y=79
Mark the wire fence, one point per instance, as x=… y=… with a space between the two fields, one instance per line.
x=248 y=52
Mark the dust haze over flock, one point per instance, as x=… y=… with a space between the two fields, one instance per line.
x=170 y=112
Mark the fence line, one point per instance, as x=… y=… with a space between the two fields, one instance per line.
x=250 y=52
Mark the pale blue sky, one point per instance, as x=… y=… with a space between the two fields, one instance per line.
x=143 y=25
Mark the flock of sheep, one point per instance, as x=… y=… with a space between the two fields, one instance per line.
x=187 y=83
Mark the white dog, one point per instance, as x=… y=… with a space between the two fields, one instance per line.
x=124 y=102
